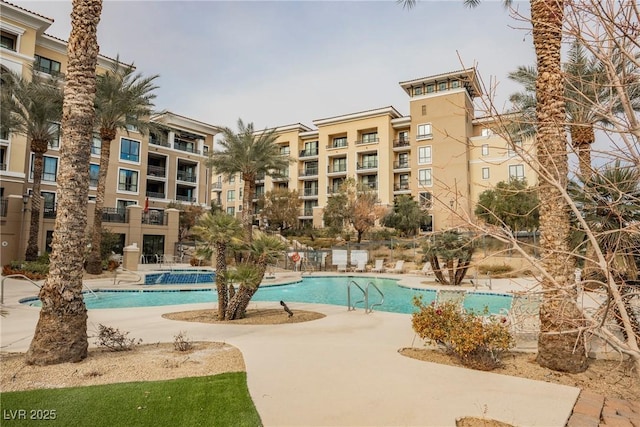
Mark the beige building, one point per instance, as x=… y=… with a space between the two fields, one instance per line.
x=440 y=154
x=147 y=173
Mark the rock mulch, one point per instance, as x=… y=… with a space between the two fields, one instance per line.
x=594 y=410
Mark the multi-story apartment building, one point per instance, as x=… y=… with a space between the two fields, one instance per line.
x=147 y=173
x=440 y=154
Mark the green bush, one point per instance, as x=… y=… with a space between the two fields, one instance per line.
x=35 y=267
x=476 y=340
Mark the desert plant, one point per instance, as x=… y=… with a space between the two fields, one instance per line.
x=115 y=340
x=495 y=269
x=477 y=340
x=181 y=342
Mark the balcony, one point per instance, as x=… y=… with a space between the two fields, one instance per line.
x=154 y=218
x=188 y=147
x=186 y=176
x=373 y=140
x=260 y=177
x=306 y=213
x=184 y=198
x=309 y=153
x=340 y=144
x=403 y=164
x=49 y=213
x=400 y=144
x=156 y=141
x=310 y=192
x=217 y=187
x=114 y=215
x=337 y=169
x=371 y=164
x=403 y=186
x=156 y=171
x=369 y=185
x=309 y=172
x=280 y=178
x=155 y=195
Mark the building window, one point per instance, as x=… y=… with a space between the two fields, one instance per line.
x=48 y=204
x=339 y=164
x=368 y=138
x=424 y=110
x=121 y=205
x=130 y=150
x=49 y=168
x=424 y=131
x=417 y=91
x=431 y=88
x=424 y=155
x=369 y=161
x=403 y=136
x=424 y=177
x=485 y=173
x=55 y=131
x=486 y=132
x=285 y=150
x=231 y=195
x=516 y=172
x=46 y=65
x=455 y=84
x=339 y=142
x=94 y=171
x=96 y=145
x=231 y=211
x=8 y=40
x=425 y=200
x=127 y=180
x=442 y=86
x=485 y=149
x=513 y=149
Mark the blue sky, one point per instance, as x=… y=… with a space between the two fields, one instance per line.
x=277 y=63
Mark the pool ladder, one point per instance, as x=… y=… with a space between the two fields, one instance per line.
x=22 y=276
x=365 y=293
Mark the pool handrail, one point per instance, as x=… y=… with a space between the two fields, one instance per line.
x=369 y=309
x=12 y=276
x=351 y=307
x=122 y=269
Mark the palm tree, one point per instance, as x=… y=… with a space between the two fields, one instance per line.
x=263 y=250
x=32 y=107
x=123 y=100
x=251 y=154
x=217 y=230
x=454 y=249
x=588 y=96
x=61 y=332
x=559 y=343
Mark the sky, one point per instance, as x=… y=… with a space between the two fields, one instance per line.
x=276 y=63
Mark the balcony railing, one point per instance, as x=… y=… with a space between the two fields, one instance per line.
x=401 y=164
x=155 y=195
x=368 y=141
x=277 y=177
x=185 y=198
x=309 y=153
x=216 y=186
x=93 y=183
x=369 y=185
x=3 y=166
x=402 y=142
x=154 y=218
x=340 y=144
x=306 y=212
x=309 y=172
x=337 y=169
x=372 y=164
x=159 y=171
x=189 y=148
x=260 y=177
x=156 y=141
x=403 y=186
x=114 y=215
x=310 y=192
x=4 y=202
x=186 y=176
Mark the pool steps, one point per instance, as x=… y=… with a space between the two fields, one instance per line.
x=365 y=293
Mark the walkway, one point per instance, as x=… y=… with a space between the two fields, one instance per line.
x=342 y=370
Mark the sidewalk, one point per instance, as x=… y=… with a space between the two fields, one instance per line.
x=342 y=370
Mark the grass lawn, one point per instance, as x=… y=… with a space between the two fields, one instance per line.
x=220 y=400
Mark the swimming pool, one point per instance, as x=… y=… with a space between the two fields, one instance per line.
x=320 y=290
x=180 y=277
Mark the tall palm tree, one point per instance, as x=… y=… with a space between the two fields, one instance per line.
x=251 y=154
x=61 y=332
x=263 y=250
x=124 y=99
x=217 y=230
x=33 y=106
x=559 y=343
x=588 y=96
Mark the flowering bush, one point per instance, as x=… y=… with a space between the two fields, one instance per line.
x=477 y=340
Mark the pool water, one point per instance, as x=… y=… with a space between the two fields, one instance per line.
x=320 y=290
x=180 y=277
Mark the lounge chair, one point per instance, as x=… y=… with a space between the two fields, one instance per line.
x=450 y=295
x=361 y=266
x=426 y=270
x=342 y=268
x=379 y=266
x=524 y=315
x=398 y=268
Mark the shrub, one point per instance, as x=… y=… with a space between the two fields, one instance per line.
x=477 y=341
x=181 y=342
x=34 y=270
x=115 y=340
x=495 y=269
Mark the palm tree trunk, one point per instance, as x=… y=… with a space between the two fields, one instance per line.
x=31 y=253
x=237 y=308
x=61 y=332
x=221 y=280
x=560 y=345
x=247 y=202
x=94 y=264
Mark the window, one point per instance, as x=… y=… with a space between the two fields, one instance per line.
x=8 y=40
x=49 y=168
x=455 y=84
x=486 y=132
x=205 y=150
x=485 y=149
x=431 y=88
x=94 y=171
x=403 y=136
x=417 y=90
x=425 y=200
x=49 y=204
x=516 y=172
x=512 y=150
x=55 y=131
x=424 y=155
x=129 y=150
x=129 y=123
x=339 y=164
x=46 y=65
x=368 y=138
x=4 y=135
x=424 y=177
x=424 y=110
x=339 y=142
x=96 y=145
x=121 y=205
x=442 y=86
x=369 y=161
x=285 y=150
x=231 y=211
x=231 y=195
x=485 y=173
x=424 y=131
x=232 y=179
x=370 y=181
x=403 y=160
x=127 y=180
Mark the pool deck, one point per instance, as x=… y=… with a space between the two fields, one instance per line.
x=342 y=370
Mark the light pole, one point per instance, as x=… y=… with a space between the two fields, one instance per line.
x=451 y=211
x=25 y=201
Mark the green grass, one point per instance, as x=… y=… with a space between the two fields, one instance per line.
x=221 y=400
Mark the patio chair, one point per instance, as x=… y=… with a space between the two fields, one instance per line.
x=361 y=266
x=379 y=266
x=342 y=268
x=398 y=268
x=450 y=295
x=524 y=315
x=426 y=270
